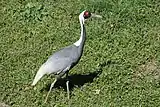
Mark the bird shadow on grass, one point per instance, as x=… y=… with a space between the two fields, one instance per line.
x=75 y=80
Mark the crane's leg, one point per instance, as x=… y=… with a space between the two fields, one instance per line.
x=52 y=85
x=67 y=84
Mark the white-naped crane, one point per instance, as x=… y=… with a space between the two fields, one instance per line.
x=66 y=58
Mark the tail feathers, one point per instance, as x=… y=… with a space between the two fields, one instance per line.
x=41 y=72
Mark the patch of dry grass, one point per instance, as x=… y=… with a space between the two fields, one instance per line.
x=150 y=68
x=3 y=105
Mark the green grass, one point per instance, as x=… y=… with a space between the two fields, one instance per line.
x=124 y=46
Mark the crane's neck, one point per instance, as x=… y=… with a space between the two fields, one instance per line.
x=81 y=41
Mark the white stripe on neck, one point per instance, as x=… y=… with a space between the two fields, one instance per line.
x=78 y=42
x=81 y=19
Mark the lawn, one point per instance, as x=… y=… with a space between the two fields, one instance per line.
x=120 y=65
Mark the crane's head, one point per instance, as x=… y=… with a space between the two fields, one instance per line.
x=86 y=15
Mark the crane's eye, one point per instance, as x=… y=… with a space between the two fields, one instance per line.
x=87 y=14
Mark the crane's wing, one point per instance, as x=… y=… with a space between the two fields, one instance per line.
x=57 y=67
x=69 y=53
x=60 y=60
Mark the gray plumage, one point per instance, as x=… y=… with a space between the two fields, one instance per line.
x=66 y=58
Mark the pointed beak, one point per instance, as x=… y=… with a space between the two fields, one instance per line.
x=94 y=15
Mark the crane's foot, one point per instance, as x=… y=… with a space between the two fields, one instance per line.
x=68 y=93
x=52 y=85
